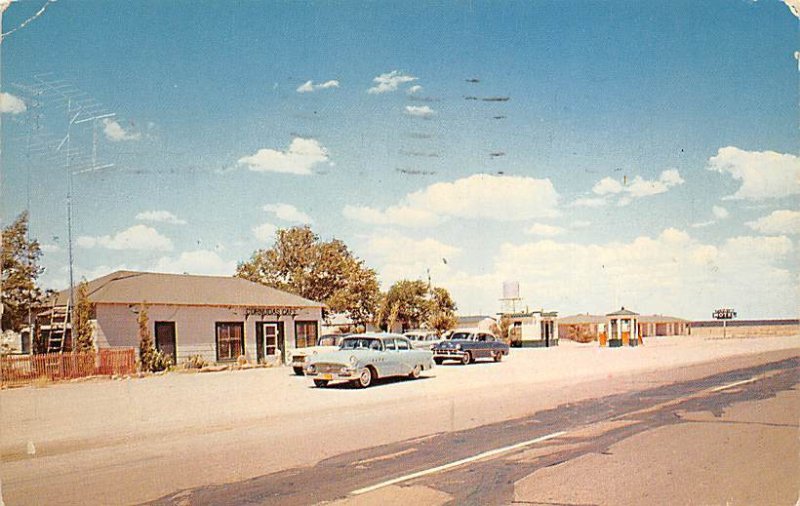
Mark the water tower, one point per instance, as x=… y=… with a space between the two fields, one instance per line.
x=511 y=299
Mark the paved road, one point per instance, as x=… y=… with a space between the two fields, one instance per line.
x=729 y=437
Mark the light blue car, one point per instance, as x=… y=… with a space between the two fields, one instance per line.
x=362 y=358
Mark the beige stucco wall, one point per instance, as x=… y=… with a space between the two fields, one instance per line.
x=195 y=327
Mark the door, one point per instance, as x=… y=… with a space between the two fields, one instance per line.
x=165 y=340
x=272 y=346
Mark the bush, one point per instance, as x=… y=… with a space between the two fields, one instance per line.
x=195 y=362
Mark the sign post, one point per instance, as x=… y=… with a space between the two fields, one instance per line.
x=724 y=314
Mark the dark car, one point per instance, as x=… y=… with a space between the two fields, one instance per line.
x=469 y=345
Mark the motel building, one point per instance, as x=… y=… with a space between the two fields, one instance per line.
x=216 y=318
x=620 y=328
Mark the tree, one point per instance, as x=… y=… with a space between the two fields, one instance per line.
x=20 y=271
x=151 y=359
x=408 y=300
x=503 y=330
x=323 y=271
x=442 y=313
x=82 y=326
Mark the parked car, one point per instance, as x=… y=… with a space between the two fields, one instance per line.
x=325 y=344
x=423 y=339
x=362 y=358
x=468 y=345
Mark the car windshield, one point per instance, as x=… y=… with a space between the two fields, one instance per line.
x=461 y=335
x=361 y=343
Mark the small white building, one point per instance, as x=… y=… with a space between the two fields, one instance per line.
x=533 y=329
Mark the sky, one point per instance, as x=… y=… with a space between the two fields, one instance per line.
x=601 y=154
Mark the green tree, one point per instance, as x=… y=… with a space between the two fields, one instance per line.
x=409 y=301
x=151 y=359
x=442 y=312
x=81 y=323
x=20 y=271
x=324 y=271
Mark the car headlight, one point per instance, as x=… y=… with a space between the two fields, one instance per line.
x=311 y=368
x=458 y=346
x=353 y=360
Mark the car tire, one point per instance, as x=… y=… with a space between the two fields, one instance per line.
x=321 y=383
x=466 y=358
x=438 y=361
x=415 y=372
x=298 y=370
x=498 y=356
x=365 y=378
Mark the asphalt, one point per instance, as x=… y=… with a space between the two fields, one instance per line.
x=592 y=426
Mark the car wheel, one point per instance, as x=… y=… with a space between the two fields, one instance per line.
x=365 y=378
x=466 y=359
x=321 y=383
x=438 y=361
x=415 y=372
x=498 y=356
x=298 y=370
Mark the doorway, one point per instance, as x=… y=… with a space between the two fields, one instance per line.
x=269 y=341
x=165 y=340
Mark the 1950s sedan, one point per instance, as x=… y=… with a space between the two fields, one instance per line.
x=325 y=344
x=468 y=345
x=362 y=358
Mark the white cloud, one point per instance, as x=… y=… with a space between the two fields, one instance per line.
x=637 y=188
x=580 y=224
x=421 y=111
x=500 y=198
x=763 y=174
x=703 y=224
x=720 y=212
x=414 y=89
x=300 y=158
x=389 y=82
x=265 y=232
x=160 y=217
x=671 y=273
x=115 y=133
x=288 y=212
x=137 y=237
x=196 y=262
x=607 y=185
x=544 y=230
x=309 y=86
x=11 y=104
x=782 y=221
x=402 y=257
x=589 y=202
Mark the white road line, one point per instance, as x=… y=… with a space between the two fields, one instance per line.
x=451 y=465
x=734 y=384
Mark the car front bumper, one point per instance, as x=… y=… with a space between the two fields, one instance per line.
x=449 y=353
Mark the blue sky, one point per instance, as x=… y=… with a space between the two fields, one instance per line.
x=645 y=155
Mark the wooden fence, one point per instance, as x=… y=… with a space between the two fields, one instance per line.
x=18 y=370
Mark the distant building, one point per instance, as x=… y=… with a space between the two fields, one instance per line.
x=588 y=327
x=217 y=318
x=483 y=322
x=745 y=328
x=533 y=329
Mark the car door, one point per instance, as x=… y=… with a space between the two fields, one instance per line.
x=485 y=345
x=390 y=357
x=405 y=357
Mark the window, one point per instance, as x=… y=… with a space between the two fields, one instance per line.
x=402 y=345
x=389 y=343
x=230 y=340
x=305 y=334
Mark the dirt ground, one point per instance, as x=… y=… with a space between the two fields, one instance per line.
x=183 y=430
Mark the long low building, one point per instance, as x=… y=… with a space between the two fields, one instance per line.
x=216 y=318
x=587 y=327
x=745 y=328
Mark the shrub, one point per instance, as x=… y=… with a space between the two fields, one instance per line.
x=195 y=362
